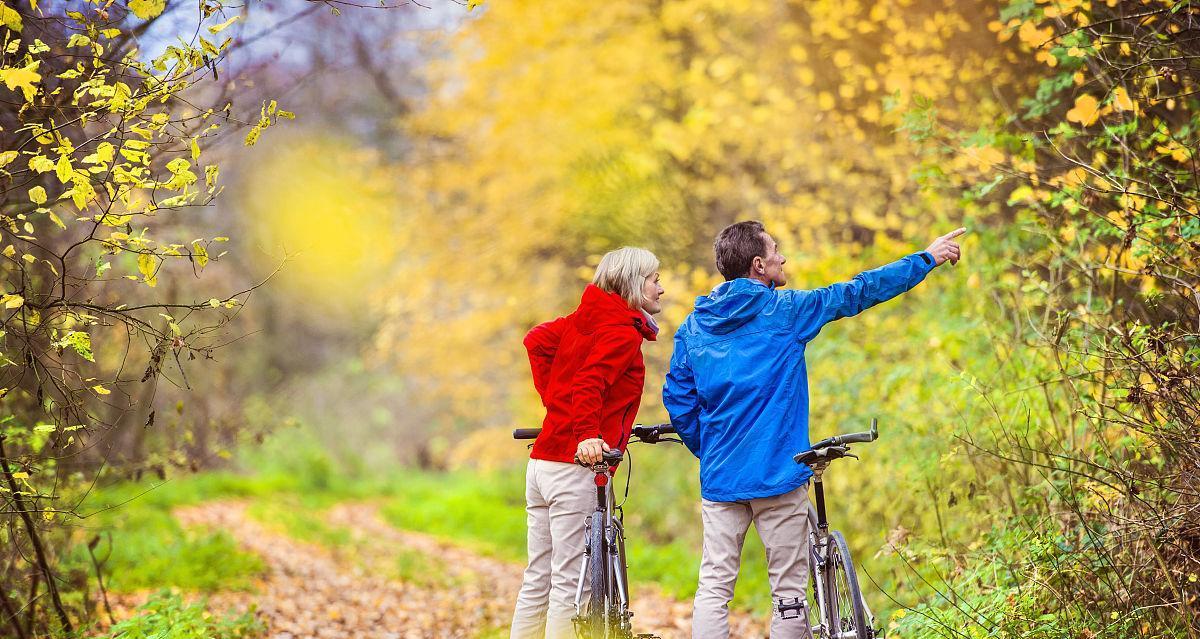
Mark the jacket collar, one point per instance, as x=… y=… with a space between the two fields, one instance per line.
x=600 y=308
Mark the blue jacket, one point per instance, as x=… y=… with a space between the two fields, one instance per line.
x=737 y=391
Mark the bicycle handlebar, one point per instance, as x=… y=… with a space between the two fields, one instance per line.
x=851 y=438
x=651 y=434
x=836 y=447
x=648 y=434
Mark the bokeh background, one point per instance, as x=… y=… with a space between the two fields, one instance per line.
x=452 y=175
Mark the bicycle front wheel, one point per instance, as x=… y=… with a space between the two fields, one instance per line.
x=846 y=611
x=597 y=577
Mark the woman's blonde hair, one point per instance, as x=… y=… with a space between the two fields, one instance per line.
x=624 y=271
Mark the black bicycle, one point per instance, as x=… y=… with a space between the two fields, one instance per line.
x=841 y=612
x=607 y=614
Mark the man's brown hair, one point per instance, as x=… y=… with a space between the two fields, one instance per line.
x=736 y=247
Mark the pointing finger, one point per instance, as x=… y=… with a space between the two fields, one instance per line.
x=955 y=233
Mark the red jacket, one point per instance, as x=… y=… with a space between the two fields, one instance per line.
x=588 y=369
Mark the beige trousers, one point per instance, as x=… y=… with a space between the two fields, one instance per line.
x=783 y=525
x=558 y=500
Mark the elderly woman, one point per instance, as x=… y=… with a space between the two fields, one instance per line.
x=588 y=369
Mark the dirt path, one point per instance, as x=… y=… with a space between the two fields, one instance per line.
x=392 y=584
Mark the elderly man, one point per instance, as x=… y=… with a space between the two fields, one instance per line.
x=737 y=393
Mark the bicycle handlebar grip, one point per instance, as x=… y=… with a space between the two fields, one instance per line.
x=863 y=438
x=526 y=433
x=857 y=438
x=650 y=434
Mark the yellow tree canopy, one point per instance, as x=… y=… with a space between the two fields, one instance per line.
x=557 y=131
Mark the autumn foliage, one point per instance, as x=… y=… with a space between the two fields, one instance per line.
x=1037 y=474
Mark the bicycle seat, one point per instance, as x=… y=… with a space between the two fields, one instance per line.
x=827 y=453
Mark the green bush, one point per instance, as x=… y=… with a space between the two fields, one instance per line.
x=167 y=616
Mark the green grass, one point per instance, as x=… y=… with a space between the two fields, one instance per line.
x=499 y=632
x=416 y=567
x=150 y=549
x=300 y=517
x=487 y=514
x=304 y=517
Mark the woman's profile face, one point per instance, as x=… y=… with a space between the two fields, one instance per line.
x=651 y=292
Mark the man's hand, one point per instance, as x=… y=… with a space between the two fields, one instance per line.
x=591 y=451
x=945 y=248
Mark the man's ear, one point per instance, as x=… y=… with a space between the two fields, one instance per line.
x=758 y=265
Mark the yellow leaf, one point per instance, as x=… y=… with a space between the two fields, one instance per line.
x=471 y=4
x=7 y=157
x=23 y=78
x=146 y=9
x=1121 y=100
x=1086 y=110
x=40 y=164
x=985 y=157
x=1047 y=57
x=100 y=390
x=1177 y=151
x=82 y=192
x=37 y=195
x=199 y=254
x=148 y=267
x=63 y=169
x=9 y=251
x=10 y=300
x=217 y=28
x=10 y=18
x=57 y=220
x=1033 y=36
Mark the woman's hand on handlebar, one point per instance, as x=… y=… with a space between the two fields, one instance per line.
x=591 y=451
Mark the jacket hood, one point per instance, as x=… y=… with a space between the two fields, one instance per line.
x=600 y=308
x=731 y=305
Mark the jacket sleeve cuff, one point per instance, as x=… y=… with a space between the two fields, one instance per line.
x=927 y=260
x=582 y=435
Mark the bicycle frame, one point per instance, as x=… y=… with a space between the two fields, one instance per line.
x=616 y=576
x=819 y=558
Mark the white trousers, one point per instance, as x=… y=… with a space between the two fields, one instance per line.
x=558 y=500
x=782 y=524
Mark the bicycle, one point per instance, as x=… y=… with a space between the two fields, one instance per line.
x=841 y=613
x=607 y=614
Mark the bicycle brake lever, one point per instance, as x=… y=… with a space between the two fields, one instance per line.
x=851 y=455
